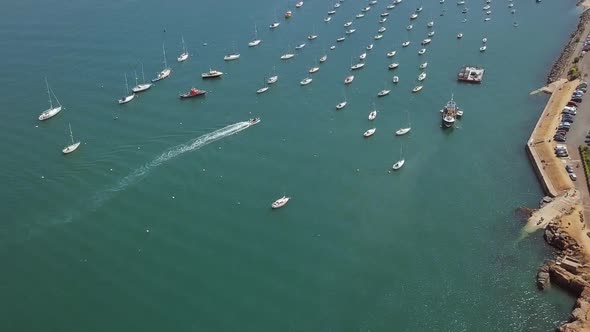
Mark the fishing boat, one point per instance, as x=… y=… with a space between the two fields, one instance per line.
x=128 y=97
x=51 y=111
x=314 y=70
x=357 y=66
x=300 y=46
x=306 y=81
x=406 y=44
x=421 y=51
x=424 y=65
x=395 y=79
x=363 y=56
x=400 y=162
x=348 y=79
x=193 y=92
x=422 y=76
x=184 y=55
x=256 y=41
x=449 y=113
x=417 y=88
x=323 y=58
x=369 y=47
x=274 y=78
x=166 y=71
x=383 y=93
x=393 y=65
x=73 y=146
x=279 y=203
x=369 y=132
x=211 y=74
x=143 y=86
x=391 y=54
x=349 y=31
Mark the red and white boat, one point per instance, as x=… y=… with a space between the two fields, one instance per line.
x=193 y=92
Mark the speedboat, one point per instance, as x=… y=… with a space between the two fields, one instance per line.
x=403 y=131
x=274 y=25
x=381 y=29
x=323 y=58
x=272 y=79
x=299 y=4
x=348 y=79
x=383 y=19
x=349 y=31
x=340 y=39
x=484 y=40
x=347 y=24
x=421 y=51
x=313 y=70
x=406 y=44
x=417 y=88
x=327 y=19
x=483 y=48
x=369 y=47
x=279 y=203
x=300 y=46
x=426 y=41
x=390 y=54
x=369 y=132
x=341 y=105
x=254 y=121
x=262 y=90
x=398 y=164
x=211 y=74
x=193 y=93
x=383 y=93
x=377 y=37
x=409 y=27
x=372 y=115
x=431 y=33
x=393 y=65
x=413 y=16
x=430 y=24
x=360 y=15
x=459 y=36
x=126 y=99
x=421 y=77
x=306 y=81
x=231 y=57
x=287 y=56
x=357 y=66
x=395 y=79
x=424 y=65
x=312 y=37
x=363 y=56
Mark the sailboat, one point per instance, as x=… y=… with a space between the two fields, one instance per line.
x=141 y=87
x=128 y=97
x=166 y=71
x=400 y=162
x=72 y=147
x=184 y=55
x=232 y=56
x=256 y=41
x=403 y=131
x=264 y=88
x=275 y=24
x=51 y=111
x=313 y=35
x=274 y=76
x=342 y=104
x=373 y=113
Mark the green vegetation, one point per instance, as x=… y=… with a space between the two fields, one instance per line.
x=573 y=73
x=585 y=155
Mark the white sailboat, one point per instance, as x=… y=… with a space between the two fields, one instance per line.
x=264 y=88
x=51 y=111
x=274 y=78
x=256 y=41
x=73 y=146
x=184 y=55
x=369 y=132
x=232 y=56
x=373 y=113
x=143 y=86
x=166 y=71
x=403 y=131
x=342 y=104
x=400 y=162
x=128 y=97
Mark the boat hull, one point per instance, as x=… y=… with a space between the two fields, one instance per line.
x=70 y=148
x=48 y=114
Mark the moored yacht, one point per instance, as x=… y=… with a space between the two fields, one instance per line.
x=143 y=86
x=369 y=132
x=390 y=54
x=357 y=66
x=306 y=81
x=395 y=79
x=211 y=74
x=424 y=65
x=279 y=203
x=393 y=65
x=348 y=79
x=51 y=111
x=422 y=76
x=406 y=43
x=383 y=93
x=417 y=88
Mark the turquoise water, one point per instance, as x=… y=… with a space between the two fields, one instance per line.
x=162 y=220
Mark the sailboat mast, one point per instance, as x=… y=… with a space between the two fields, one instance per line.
x=164 y=51
x=142 y=74
x=71 y=135
x=136 y=79
x=183 y=46
x=126 y=84
x=48 y=94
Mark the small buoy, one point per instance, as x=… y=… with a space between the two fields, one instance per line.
x=358 y=170
x=239 y=203
x=181 y=123
x=204 y=44
x=173 y=197
x=203 y=169
x=43 y=176
x=147 y=230
x=36 y=126
x=138 y=148
x=219 y=148
x=111 y=169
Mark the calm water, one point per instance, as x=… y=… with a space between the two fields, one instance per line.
x=161 y=220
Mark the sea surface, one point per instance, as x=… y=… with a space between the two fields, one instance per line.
x=161 y=220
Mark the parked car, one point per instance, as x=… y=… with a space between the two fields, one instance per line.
x=570 y=108
x=569 y=168
x=573 y=176
x=561 y=139
x=577 y=99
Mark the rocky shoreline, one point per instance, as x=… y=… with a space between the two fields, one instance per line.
x=565 y=58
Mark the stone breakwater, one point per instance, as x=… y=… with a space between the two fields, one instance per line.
x=561 y=65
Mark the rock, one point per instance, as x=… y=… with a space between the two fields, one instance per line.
x=543 y=281
x=563 y=61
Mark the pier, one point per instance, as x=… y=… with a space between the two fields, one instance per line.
x=541 y=148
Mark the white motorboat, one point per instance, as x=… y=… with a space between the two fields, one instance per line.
x=347 y=24
x=306 y=81
x=348 y=79
x=300 y=46
x=486 y=19
x=314 y=70
x=287 y=56
x=430 y=24
x=333 y=47
x=377 y=37
x=413 y=16
x=73 y=146
x=484 y=40
x=421 y=51
x=211 y=74
x=331 y=12
x=312 y=37
x=51 y=111
x=184 y=55
x=366 y=9
x=323 y=58
x=424 y=65
x=395 y=79
x=299 y=4
x=165 y=73
x=381 y=29
x=360 y=15
x=419 y=9
x=417 y=88
x=363 y=56
x=254 y=121
x=279 y=203
x=383 y=19
x=384 y=14
x=393 y=65
x=143 y=86
x=369 y=47
x=274 y=25
x=327 y=19
x=128 y=97
x=426 y=41
x=460 y=35
x=350 y=31
x=400 y=162
x=406 y=43
x=372 y=115
x=402 y=131
x=340 y=39
x=483 y=48
x=391 y=54
x=231 y=57
x=357 y=66
x=369 y=132
x=431 y=33
x=409 y=27
x=383 y=93
x=422 y=77
x=262 y=90
x=341 y=105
